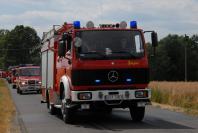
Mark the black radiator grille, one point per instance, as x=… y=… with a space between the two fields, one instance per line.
x=33 y=82
x=100 y=77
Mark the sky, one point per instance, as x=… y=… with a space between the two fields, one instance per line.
x=164 y=16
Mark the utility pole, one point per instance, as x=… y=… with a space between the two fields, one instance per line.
x=186 y=42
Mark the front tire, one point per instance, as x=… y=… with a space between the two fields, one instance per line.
x=13 y=86
x=17 y=90
x=20 y=92
x=137 y=113
x=66 y=113
x=52 y=109
x=38 y=91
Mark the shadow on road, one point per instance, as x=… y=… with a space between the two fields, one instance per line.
x=120 y=120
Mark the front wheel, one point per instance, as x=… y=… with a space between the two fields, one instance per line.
x=20 y=92
x=13 y=86
x=52 y=109
x=17 y=90
x=38 y=91
x=66 y=113
x=137 y=113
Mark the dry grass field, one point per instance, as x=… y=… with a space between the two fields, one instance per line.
x=7 y=109
x=180 y=94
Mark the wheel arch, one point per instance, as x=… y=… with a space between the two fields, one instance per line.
x=65 y=87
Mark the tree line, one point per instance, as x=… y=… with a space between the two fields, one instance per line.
x=176 y=56
x=176 y=59
x=19 y=46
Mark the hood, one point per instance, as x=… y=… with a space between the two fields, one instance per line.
x=30 y=78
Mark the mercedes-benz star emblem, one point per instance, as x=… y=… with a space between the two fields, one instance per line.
x=113 y=76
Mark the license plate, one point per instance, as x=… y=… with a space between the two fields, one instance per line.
x=141 y=104
x=85 y=106
x=113 y=97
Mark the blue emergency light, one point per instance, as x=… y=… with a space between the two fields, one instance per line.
x=128 y=80
x=76 y=24
x=97 y=81
x=133 y=24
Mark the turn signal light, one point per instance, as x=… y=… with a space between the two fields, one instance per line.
x=141 y=94
x=84 y=96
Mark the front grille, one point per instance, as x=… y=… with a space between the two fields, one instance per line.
x=32 y=82
x=89 y=77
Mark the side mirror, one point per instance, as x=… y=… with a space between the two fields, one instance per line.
x=61 y=48
x=77 y=42
x=64 y=36
x=154 y=39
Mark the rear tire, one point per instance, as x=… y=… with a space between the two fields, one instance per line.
x=137 y=113
x=47 y=99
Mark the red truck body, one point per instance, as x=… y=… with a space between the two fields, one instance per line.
x=108 y=76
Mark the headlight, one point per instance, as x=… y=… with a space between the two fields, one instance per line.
x=84 y=96
x=141 y=94
x=39 y=82
x=23 y=82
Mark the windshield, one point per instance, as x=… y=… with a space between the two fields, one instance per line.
x=29 y=72
x=125 y=44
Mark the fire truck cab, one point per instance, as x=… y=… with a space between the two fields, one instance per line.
x=28 y=79
x=97 y=68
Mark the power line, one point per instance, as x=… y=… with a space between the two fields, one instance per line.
x=16 y=49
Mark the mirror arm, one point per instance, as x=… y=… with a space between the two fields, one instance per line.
x=154 y=51
x=148 y=31
x=69 y=59
x=50 y=48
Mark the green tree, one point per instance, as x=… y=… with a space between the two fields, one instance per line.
x=22 y=45
x=3 y=34
x=169 y=62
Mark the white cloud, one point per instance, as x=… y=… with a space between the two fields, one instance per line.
x=165 y=16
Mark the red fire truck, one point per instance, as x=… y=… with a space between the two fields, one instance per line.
x=97 y=68
x=28 y=79
x=2 y=73
x=8 y=76
x=12 y=76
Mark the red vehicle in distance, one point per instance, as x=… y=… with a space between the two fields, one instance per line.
x=12 y=76
x=2 y=74
x=28 y=79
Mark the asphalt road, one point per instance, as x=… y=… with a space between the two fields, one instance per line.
x=33 y=117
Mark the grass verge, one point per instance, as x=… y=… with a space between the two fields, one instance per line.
x=7 y=108
x=182 y=96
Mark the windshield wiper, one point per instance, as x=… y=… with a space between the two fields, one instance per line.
x=93 y=52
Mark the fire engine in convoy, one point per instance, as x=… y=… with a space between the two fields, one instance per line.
x=28 y=78
x=12 y=76
x=97 y=68
x=2 y=73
